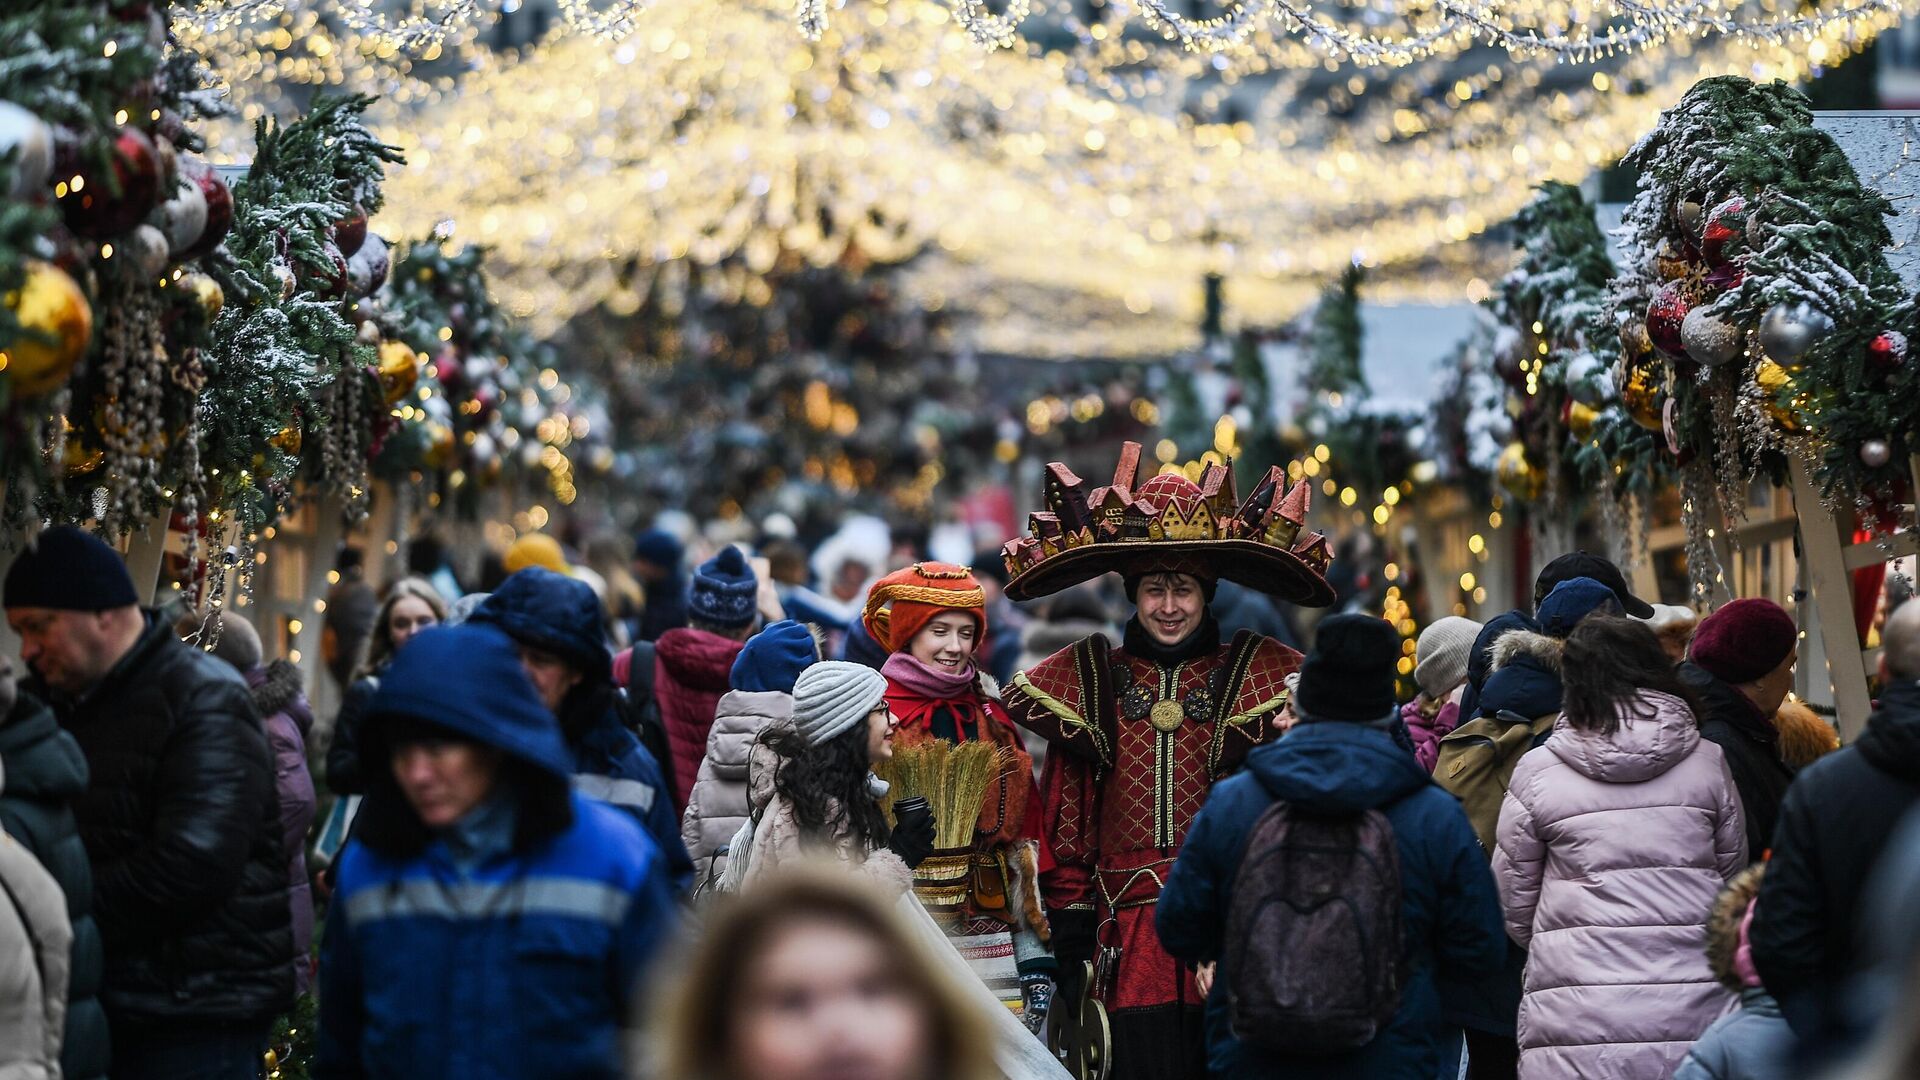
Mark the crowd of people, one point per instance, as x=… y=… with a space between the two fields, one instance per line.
x=740 y=817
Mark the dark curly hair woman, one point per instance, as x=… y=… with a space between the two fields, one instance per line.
x=812 y=787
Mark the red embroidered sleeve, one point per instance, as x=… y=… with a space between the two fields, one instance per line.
x=1071 y=795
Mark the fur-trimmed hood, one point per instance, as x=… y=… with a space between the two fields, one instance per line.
x=1526 y=675
x=276 y=688
x=1516 y=643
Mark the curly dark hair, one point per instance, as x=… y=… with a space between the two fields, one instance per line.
x=1608 y=663
x=813 y=778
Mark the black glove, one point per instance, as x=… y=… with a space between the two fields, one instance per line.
x=912 y=840
x=1074 y=936
x=1036 y=995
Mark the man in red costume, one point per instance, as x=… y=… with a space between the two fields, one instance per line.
x=1140 y=733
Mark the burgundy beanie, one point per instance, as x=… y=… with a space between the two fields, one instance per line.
x=1744 y=640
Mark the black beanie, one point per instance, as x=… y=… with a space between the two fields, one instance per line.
x=1349 y=673
x=69 y=569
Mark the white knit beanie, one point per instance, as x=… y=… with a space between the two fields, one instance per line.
x=832 y=696
x=1443 y=650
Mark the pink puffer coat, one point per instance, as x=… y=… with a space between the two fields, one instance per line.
x=1612 y=849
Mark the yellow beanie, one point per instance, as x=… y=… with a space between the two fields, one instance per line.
x=536 y=549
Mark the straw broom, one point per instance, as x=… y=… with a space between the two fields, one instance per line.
x=953 y=778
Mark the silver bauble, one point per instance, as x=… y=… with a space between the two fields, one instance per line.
x=367 y=268
x=1691 y=217
x=30 y=141
x=1710 y=339
x=1788 y=331
x=1875 y=453
x=284 y=280
x=145 y=249
x=183 y=217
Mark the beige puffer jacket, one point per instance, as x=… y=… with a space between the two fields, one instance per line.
x=777 y=839
x=719 y=803
x=35 y=944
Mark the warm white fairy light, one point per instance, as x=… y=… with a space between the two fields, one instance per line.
x=1055 y=172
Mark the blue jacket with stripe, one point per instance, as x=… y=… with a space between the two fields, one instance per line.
x=525 y=966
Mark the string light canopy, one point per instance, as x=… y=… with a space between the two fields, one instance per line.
x=1079 y=172
x=1245 y=31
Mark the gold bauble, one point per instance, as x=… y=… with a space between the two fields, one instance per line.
x=287 y=440
x=50 y=303
x=207 y=294
x=399 y=370
x=1580 y=419
x=1774 y=381
x=1642 y=395
x=77 y=457
x=439 y=444
x=1518 y=475
x=1634 y=336
x=1672 y=263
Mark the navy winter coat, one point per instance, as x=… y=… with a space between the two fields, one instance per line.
x=42 y=772
x=562 y=615
x=1480 y=660
x=525 y=963
x=1450 y=911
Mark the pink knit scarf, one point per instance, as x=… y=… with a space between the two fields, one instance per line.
x=902 y=670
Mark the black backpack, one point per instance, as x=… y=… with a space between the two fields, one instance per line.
x=1313 y=959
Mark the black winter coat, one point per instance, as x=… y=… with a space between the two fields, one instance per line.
x=1751 y=744
x=1834 y=824
x=42 y=772
x=181 y=824
x=343 y=754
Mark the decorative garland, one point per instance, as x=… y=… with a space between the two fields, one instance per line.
x=1757 y=311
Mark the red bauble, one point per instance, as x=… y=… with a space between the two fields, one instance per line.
x=1724 y=223
x=110 y=203
x=328 y=279
x=1887 y=350
x=219 y=206
x=350 y=232
x=1664 y=316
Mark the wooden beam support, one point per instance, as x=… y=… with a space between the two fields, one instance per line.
x=1823 y=546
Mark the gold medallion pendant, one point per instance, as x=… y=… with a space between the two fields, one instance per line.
x=1166 y=715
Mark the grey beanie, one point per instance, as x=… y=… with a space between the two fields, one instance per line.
x=1443 y=649
x=832 y=696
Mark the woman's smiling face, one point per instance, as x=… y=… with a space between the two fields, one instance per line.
x=947 y=642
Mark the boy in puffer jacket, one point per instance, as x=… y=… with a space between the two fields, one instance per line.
x=762 y=696
x=1753 y=1043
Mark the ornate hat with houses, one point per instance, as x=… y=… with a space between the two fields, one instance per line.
x=1169 y=523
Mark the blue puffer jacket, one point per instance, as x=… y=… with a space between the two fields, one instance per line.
x=1450 y=912
x=524 y=963
x=561 y=615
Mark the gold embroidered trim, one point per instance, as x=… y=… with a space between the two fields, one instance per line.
x=1052 y=704
x=1257 y=711
x=959 y=599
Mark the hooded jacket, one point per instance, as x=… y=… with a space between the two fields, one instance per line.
x=1834 y=823
x=35 y=942
x=1613 y=848
x=525 y=963
x=1450 y=915
x=183 y=832
x=286 y=720
x=561 y=615
x=41 y=773
x=1480 y=660
x=692 y=672
x=718 y=805
x=1747 y=736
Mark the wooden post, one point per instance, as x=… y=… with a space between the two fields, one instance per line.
x=322 y=544
x=1824 y=547
x=146 y=549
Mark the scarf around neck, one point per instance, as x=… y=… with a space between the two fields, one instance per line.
x=925 y=680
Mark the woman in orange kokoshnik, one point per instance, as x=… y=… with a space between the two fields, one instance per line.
x=931 y=618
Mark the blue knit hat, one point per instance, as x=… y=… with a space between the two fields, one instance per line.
x=723 y=590
x=69 y=569
x=773 y=658
x=1569 y=602
x=661 y=548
